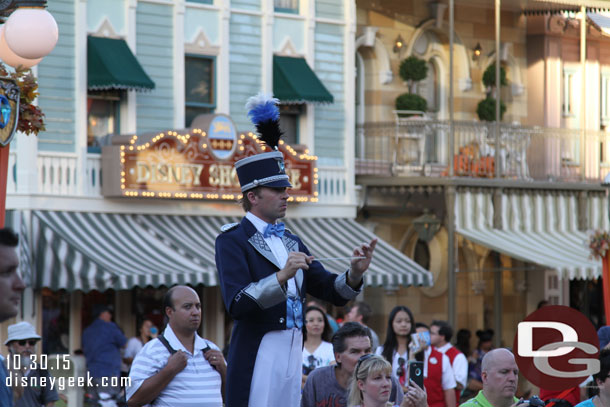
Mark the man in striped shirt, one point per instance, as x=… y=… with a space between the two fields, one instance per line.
x=192 y=375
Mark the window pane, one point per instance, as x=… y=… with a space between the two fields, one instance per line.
x=291 y=6
x=199 y=80
x=201 y=1
x=102 y=120
x=289 y=122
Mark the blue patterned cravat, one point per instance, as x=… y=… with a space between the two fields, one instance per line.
x=277 y=230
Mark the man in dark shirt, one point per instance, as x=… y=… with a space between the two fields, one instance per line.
x=102 y=343
x=327 y=386
x=11 y=287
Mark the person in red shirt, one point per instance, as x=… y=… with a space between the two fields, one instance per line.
x=439 y=380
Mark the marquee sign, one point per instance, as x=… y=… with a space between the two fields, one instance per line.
x=196 y=163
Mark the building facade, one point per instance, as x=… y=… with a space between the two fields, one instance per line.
x=518 y=204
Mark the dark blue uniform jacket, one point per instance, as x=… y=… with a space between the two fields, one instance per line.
x=257 y=302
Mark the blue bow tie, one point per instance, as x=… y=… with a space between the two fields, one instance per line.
x=277 y=230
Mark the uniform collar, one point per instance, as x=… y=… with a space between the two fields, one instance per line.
x=175 y=343
x=258 y=223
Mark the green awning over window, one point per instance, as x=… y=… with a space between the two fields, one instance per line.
x=294 y=81
x=112 y=65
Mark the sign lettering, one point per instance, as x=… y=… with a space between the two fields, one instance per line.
x=195 y=164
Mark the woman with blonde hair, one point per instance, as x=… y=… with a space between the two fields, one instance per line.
x=372 y=382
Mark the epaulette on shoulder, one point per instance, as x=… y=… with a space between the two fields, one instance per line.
x=229 y=226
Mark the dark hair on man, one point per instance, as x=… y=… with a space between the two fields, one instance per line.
x=391 y=343
x=444 y=329
x=349 y=330
x=326 y=332
x=168 y=300
x=245 y=202
x=365 y=310
x=421 y=325
x=604 y=370
x=542 y=303
x=8 y=237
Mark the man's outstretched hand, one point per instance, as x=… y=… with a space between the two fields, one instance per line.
x=359 y=266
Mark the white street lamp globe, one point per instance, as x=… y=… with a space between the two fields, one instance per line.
x=12 y=59
x=31 y=33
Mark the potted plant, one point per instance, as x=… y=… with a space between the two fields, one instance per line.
x=412 y=70
x=486 y=109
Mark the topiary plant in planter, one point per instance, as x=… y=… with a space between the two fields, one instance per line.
x=411 y=101
x=412 y=70
x=489 y=76
x=486 y=109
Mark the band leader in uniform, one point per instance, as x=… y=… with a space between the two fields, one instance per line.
x=265 y=273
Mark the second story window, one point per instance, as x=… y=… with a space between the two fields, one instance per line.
x=289 y=122
x=103 y=118
x=286 y=6
x=199 y=89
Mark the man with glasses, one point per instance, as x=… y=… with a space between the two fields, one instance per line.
x=29 y=389
x=328 y=385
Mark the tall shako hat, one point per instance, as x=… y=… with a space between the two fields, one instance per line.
x=265 y=169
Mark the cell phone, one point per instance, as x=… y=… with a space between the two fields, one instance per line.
x=416 y=372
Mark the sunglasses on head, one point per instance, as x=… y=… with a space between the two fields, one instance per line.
x=30 y=342
x=362 y=359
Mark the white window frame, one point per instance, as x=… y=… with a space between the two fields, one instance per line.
x=605 y=96
x=567 y=94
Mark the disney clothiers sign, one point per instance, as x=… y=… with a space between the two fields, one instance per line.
x=195 y=163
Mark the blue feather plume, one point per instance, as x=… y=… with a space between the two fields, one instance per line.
x=264 y=113
x=263 y=107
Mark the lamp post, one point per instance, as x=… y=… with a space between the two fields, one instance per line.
x=28 y=33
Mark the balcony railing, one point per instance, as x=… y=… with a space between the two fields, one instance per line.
x=58 y=175
x=418 y=147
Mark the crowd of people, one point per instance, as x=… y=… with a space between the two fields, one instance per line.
x=340 y=365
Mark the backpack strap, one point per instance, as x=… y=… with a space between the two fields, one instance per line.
x=165 y=343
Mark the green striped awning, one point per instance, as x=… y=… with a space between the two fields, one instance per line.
x=112 y=65
x=97 y=251
x=86 y=251
x=325 y=237
x=538 y=227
